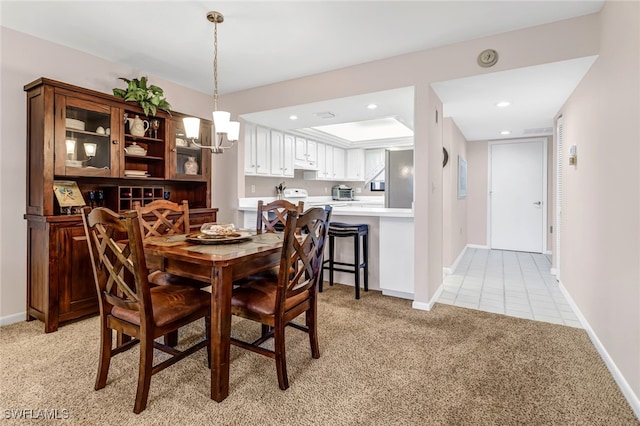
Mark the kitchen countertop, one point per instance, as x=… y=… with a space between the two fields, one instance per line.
x=360 y=206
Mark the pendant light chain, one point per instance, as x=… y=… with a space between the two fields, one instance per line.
x=215 y=66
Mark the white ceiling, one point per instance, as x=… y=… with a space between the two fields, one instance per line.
x=264 y=42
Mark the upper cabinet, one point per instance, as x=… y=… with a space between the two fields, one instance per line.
x=187 y=161
x=282 y=153
x=355 y=165
x=306 y=154
x=87 y=136
x=101 y=143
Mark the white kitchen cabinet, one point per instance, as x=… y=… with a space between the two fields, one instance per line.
x=328 y=167
x=355 y=165
x=263 y=151
x=396 y=256
x=306 y=155
x=249 y=149
x=288 y=155
x=282 y=147
x=338 y=163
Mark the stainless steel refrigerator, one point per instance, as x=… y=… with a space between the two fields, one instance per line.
x=398 y=192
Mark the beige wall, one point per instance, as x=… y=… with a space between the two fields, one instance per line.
x=477 y=182
x=600 y=253
x=454 y=210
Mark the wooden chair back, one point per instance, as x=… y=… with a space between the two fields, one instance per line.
x=155 y=218
x=119 y=266
x=305 y=235
x=272 y=217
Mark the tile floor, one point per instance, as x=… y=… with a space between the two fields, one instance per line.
x=507 y=282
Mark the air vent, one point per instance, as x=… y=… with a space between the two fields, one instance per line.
x=539 y=131
x=325 y=114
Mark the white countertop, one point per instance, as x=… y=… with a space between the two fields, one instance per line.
x=361 y=206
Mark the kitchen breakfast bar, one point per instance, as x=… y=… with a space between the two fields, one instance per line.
x=391 y=240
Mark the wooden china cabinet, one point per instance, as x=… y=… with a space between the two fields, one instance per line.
x=79 y=135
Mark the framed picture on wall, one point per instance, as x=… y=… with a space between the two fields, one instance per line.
x=462 y=177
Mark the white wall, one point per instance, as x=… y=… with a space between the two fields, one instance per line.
x=600 y=258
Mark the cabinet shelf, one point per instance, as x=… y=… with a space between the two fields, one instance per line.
x=85 y=132
x=143 y=157
x=129 y=137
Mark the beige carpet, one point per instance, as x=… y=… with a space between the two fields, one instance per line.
x=382 y=363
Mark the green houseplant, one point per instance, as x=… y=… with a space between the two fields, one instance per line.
x=150 y=97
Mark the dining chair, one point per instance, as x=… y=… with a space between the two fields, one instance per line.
x=274 y=301
x=129 y=305
x=163 y=217
x=273 y=216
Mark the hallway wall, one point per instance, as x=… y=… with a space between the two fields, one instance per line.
x=600 y=259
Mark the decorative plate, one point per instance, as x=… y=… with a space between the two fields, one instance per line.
x=200 y=238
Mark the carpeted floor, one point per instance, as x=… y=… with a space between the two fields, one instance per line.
x=382 y=363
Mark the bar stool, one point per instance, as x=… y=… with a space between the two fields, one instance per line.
x=337 y=229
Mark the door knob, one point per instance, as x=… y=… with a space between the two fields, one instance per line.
x=538 y=203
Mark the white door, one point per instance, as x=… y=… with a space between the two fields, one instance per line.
x=517 y=195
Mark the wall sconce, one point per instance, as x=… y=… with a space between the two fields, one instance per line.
x=71 y=149
x=90 y=150
x=573 y=155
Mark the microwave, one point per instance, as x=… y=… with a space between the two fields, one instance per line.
x=342 y=193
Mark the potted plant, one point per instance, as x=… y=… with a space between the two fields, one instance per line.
x=150 y=97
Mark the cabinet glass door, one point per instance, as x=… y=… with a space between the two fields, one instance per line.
x=190 y=162
x=84 y=135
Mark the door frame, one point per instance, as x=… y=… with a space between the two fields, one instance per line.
x=545 y=198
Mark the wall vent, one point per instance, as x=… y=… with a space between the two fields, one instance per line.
x=324 y=114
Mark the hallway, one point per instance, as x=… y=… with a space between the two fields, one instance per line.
x=512 y=283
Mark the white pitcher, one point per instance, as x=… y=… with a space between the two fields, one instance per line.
x=137 y=126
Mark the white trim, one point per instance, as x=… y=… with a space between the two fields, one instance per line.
x=395 y=293
x=549 y=252
x=428 y=306
x=545 y=166
x=12 y=319
x=478 y=246
x=555 y=272
x=626 y=390
x=454 y=265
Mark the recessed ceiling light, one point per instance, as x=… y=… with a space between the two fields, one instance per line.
x=293 y=117
x=505 y=132
x=503 y=104
x=372 y=106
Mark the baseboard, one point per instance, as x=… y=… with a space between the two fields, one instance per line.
x=450 y=270
x=628 y=393
x=399 y=294
x=429 y=305
x=478 y=246
x=12 y=319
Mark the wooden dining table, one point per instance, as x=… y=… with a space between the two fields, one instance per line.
x=219 y=264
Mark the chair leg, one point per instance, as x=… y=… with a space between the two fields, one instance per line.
x=365 y=255
x=144 y=373
x=207 y=330
x=281 y=359
x=356 y=263
x=105 y=357
x=171 y=339
x=332 y=243
x=311 y=316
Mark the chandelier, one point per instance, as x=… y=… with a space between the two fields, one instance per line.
x=226 y=132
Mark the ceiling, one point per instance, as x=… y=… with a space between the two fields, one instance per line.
x=291 y=39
